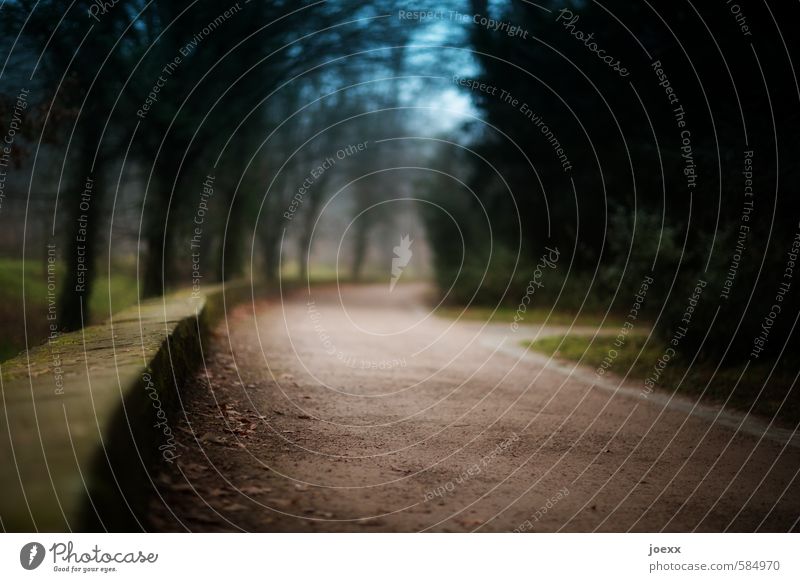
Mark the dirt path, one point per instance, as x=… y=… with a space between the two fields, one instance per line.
x=359 y=411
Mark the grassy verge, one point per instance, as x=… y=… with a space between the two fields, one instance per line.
x=719 y=385
x=532 y=316
x=593 y=353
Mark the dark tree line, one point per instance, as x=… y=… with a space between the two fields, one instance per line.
x=633 y=209
x=630 y=175
x=174 y=92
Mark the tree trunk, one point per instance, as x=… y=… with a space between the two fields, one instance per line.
x=152 y=279
x=83 y=200
x=305 y=241
x=159 y=263
x=303 y=251
x=231 y=263
x=359 y=249
x=272 y=261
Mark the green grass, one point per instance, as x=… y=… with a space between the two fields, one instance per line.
x=593 y=352
x=532 y=316
x=11 y=275
x=702 y=376
x=122 y=294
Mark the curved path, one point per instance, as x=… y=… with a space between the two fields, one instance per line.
x=355 y=409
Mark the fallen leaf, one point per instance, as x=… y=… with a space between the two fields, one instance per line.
x=222 y=491
x=212 y=438
x=194 y=469
x=235 y=507
x=254 y=490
